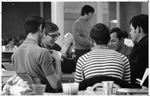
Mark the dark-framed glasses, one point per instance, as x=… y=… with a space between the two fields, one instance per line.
x=54 y=35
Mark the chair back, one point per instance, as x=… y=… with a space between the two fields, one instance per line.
x=29 y=79
x=98 y=79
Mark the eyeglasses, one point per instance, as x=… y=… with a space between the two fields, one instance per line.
x=54 y=36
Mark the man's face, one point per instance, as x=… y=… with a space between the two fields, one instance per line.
x=90 y=15
x=115 y=43
x=50 y=38
x=134 y=33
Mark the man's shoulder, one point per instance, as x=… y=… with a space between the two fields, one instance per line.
x=78 y=21
x=41 y=50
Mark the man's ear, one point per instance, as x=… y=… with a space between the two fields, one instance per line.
x=138 y=29
x=40 y=28
x=122 y=40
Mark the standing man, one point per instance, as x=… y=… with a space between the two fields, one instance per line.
x=139 y=54
x=31 y=59
x=117 y=42
x=81 y=31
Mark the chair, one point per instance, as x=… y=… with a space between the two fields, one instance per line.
x=96 y=79
x=29 y=79
x=144 y=80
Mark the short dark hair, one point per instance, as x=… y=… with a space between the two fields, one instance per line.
x=100 y=34
x=141 y=21
x=32 y=24
x=86 y=9
x=118 y=31
x=51 y=27
x=125 y=34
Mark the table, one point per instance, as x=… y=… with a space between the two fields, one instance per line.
x=139 y=92
x=132 y=91
x=66 y=78
x=6 y=75
x=6 y=56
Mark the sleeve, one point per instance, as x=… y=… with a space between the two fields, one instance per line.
x=46 y=63
x=79 y=71
x=77 y=32
x=127 y=71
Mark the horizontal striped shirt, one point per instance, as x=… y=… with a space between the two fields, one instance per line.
x=102 y=62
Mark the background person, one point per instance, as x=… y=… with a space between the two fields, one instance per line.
x=11 y=45
x=139 y=54
x=31 y=59
x=81 y=31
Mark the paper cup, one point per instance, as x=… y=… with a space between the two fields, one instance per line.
x=108 y=87
x=38 y=89
x=70 y=88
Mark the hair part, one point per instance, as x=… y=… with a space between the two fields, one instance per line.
x=51 y=27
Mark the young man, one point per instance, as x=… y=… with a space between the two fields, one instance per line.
x=102 y=61
x=51 y=35
x=139 y=54
x=117 y=42
x=81 y=31
x=31 y=59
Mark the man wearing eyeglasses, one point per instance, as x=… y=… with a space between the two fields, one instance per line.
x=48 y=41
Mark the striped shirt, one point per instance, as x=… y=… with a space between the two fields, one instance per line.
x=102 y=62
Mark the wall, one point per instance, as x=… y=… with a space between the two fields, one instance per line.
x=128 y=10
x=15 y=13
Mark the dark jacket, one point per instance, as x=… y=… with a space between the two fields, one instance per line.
x=139 y=60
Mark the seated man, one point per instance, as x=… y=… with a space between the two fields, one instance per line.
x=51 y=35
x=102 y=61
x=139 y=57
x=31 y=59
x=117 y=42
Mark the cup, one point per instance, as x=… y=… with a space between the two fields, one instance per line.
x=108 y=87
x=70 y=88
x=38 y=89
x=3 y=48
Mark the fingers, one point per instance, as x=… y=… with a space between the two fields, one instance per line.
x=68 y=37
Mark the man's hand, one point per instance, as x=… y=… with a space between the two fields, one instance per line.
x=55 y=55
x=68 y=44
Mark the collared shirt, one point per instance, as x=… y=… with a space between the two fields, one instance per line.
x=125 y=50
x=31 y=59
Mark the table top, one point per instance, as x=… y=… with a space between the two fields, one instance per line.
x=8 y=73
x=7 y=52
x=88 y=92
x=127 y=90
x=11 y=73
